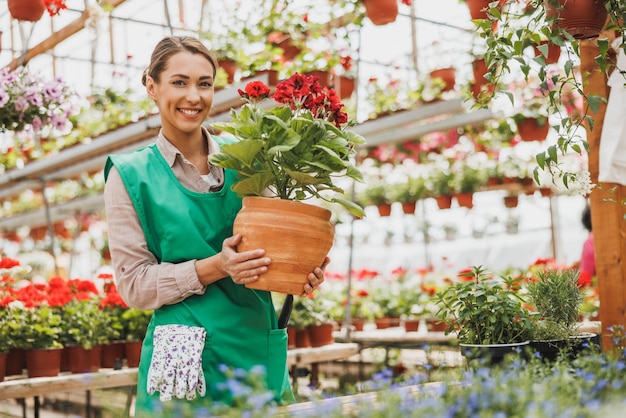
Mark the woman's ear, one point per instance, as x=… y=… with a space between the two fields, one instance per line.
x=151 y=87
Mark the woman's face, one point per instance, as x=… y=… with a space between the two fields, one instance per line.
x=184 y=94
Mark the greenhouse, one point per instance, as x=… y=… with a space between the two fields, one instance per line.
x=363 y=208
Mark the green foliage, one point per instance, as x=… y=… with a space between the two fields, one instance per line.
x=37 y=327
x=412 y=190
x=589 y=386
x=302 y=313
x=440 y=181
x=85 y=324
x=511 y=29
x=289 y=154
x=135 y=322
x=557 y=300
x=469 y=179
x=484 y=310
x=6 y=330
x=376 y=194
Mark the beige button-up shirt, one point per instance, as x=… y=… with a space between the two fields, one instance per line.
x=142 y=282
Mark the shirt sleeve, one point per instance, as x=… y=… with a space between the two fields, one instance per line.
x=142 y=282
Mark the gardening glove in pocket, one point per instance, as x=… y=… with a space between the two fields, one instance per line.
x=176 y=366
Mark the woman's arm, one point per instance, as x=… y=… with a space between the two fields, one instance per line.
x=142 y=282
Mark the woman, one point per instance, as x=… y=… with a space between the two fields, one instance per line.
x=170 y=216
x=587 y=264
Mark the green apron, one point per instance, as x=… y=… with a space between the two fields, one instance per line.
x=180 y=225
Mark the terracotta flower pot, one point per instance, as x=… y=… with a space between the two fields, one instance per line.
x=284 y=42
x=296 y=236
x=411 y=325
x=477 y=8
x=479 y=69
x=291 y=337
x=112 y=354
x=448 y=75
x=529 y=129
x=27 y=10
x=583 y=19
x=511 y=201
x=381 y=12
x=133 y=353
x=444 y=201
x=321 y=335
x=408 y=208
x=465 y=200
x=80 y=359
x=303 y=339
x=230 y=67
x=554 y=52
x=345 y=86
x=16 y=362
x=323 y=76
x=384 y=209
x=3 y=365
x=44 y=362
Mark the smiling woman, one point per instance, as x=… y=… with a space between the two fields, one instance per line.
x=173 y=249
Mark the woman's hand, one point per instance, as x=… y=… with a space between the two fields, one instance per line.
x=244 y=267
x=316 y=278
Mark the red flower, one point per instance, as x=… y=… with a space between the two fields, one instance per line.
x=346 y=62
x=7 y=263
x=54 y=6
x=105 y=276
x=255 y=91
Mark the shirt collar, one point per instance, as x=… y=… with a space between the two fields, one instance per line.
x=169 y=151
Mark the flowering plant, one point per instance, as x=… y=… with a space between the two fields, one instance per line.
x=54 y=6
x=28 y=101
x=292 y=150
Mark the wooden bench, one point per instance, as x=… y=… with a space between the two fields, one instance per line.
x=22 y=387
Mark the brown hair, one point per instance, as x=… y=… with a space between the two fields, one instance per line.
x=172 y=45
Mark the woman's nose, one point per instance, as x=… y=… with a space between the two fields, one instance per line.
x=192 y=94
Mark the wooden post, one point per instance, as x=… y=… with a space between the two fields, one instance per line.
x=608 y=211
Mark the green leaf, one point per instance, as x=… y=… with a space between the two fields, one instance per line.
x=245 y=150
x=255 y=185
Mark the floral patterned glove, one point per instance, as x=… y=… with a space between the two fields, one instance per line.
x=176 y=366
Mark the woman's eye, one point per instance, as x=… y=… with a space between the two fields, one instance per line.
x=206 y=84
x=178 y=83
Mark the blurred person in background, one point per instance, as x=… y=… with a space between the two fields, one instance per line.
x=587 y=265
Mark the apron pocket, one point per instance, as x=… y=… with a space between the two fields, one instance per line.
x=277 y=374
x=176 y=365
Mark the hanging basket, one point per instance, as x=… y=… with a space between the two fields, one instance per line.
x=530 y=129
x=479 y=69
x=583 y=19
x=478 y=8
x=296 y=236
x=554 y=52
x=381 y=12
x=26 y=10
